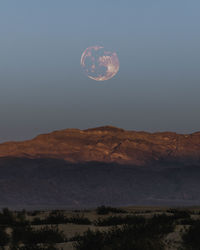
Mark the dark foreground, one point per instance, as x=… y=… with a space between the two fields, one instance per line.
x=105 y=228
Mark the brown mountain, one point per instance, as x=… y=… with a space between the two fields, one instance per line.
x=106 y=165
x=109 y=144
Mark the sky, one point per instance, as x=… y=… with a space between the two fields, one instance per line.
x=43 y=87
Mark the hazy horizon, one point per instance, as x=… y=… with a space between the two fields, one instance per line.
x=43 y=87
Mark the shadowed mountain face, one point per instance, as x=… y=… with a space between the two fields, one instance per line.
x=109 y=144
x=110 y=166
x=53 y=183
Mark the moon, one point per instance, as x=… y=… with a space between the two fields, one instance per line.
x=99 y=64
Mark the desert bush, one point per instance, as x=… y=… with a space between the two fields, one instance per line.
x=143 y=212
x=81 y=211
x=33 y=213
x=128 y=237
x=46 y=234
x=191 y=239
x=55 y=217
x=102 y=210
x=79 y=219
x=38 y=221
x=6 y=217
x=9 y=219
x=20 y=219
x=188 y=221
x=56 y=211
x=4 y=237
x=138 y=233
x=60 y=218
x=19 y=234
x=179 y=214
x=161 y=224
x=33 y=247
x=119 y=220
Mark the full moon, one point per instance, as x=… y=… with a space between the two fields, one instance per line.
x=99 y=64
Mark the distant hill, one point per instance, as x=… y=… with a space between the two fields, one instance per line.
x=101 y=166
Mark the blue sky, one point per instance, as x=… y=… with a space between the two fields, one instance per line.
x=44 y=89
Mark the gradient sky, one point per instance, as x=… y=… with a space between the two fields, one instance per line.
x=43 y=87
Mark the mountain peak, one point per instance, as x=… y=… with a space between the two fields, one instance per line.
x=107 y=128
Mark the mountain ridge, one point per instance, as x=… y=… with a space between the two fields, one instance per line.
x=108 y=144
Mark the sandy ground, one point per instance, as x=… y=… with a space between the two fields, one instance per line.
x=172 y=241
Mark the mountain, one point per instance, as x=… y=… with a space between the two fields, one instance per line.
x=109 y=144
x=86 y=168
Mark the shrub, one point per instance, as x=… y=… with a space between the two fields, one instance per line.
x=4 y=237
x=106 y=210
x=179 y=214
x=6 y=217
x=59 y=218
x=38 y=221
x=128 y=237
x=55 y=217
x=33 y=247
x=161 y=224
x=191 y=239
x=138 y=233
x=188 y=221
x=46 y=234
x=33 y=213
x=79 y=219
x=118 y=220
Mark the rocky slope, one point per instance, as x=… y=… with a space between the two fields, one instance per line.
x=109 y=144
